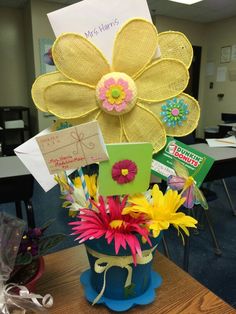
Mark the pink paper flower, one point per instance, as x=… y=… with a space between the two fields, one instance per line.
x=115 y=94
x=124 y=171
x=110 y=222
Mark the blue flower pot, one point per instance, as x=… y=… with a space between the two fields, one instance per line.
x=116 y=294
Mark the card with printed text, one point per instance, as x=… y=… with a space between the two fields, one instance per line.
x=197 y=163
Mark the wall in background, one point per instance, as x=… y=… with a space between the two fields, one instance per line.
x=219 y=34
x=13 y=77
x=41 y=28
x=30 y=67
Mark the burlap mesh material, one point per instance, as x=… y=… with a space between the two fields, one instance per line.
x=110 y=127
x=163 y=79
x=79 y=59
x=175 y=45
x=141 y=125
x=192 y=118
x=76 y=121
x=39 y=86
x=70 y=100
x=134 y=46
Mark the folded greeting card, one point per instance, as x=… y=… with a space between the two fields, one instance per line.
x=128 y=169
x=73 y=147
x=31 y=156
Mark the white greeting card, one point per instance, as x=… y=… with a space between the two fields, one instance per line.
x=98 y=20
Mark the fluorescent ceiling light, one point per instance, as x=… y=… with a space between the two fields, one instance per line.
x=186 y=1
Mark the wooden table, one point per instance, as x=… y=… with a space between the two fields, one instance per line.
x=179 y=293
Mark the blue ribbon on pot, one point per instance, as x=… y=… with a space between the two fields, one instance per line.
x=105 y=262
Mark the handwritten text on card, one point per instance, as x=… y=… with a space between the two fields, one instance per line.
x=103 y=27
x=73 y=147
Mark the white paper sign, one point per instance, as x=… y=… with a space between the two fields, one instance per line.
x=221 y=74
x=210 y=68
x=98 y=20
x=222 y=142
x=233 y=53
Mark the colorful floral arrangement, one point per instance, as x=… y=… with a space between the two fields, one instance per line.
x=138 y=97
x=123 y=219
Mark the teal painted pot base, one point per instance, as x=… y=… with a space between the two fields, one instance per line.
x=125 y=304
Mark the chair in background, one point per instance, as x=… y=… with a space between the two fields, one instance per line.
x=210 y=196
x=200 y=213
x=16 y=190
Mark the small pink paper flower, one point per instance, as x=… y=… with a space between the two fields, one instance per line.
x=115 y=94
x=124 y=171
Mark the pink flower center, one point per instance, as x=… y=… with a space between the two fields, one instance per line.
x=116 y=93
x=175 y=112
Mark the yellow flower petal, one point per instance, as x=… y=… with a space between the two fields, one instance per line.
x=136 y=209
x=134 y=47
x=175 y=45
x=110 y=127
x=39 y=86
x=163 y=79
x=141 y=125
x=78 y=59
x=192 y=118
x=139 y=199
x=161 y=210
x=90 y=183
x=90 y=117
x=70 y=100
x=157 y=195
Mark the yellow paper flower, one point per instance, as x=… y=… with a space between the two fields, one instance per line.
x=61 y=179
x=125 y=97
x=161 y=210
x=91 y=183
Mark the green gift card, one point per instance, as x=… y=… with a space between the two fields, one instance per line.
x=128 y=169
x=197 y=163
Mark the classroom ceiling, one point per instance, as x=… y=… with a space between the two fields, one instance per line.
x=203 y=12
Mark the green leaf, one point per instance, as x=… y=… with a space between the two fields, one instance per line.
x=66 y=204
x=48 y=242
x=47 y=224
x=24 y=259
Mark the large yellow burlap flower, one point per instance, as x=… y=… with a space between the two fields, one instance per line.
x=126 y=97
